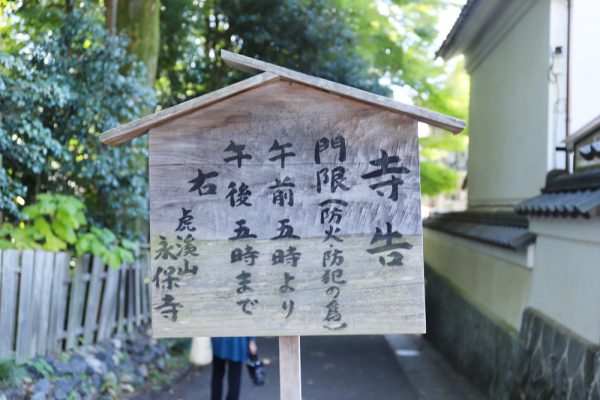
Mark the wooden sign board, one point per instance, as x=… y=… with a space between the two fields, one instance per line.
x=285 y=205
x=286 y=210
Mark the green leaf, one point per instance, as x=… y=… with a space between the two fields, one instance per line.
x=125 y=255
x=42 y=226
x=32 y=211
x=129 y=245
x=112 y=259
x=80 y=218
x=436 y=178
x=66 y=219
x=6 y=229
x=104 y=234
x=97 y=248
x=6 y=244
x=65 y=233
x=54 y=244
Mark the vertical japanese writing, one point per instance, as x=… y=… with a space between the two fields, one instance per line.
x=247 y=255
x=390 y=245
x=283 y=192
x=384 y=164
x=331 y=212
x=200 y=184
x=174 y=264
x=287 y=258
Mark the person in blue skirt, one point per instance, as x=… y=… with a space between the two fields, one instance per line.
x=230 y=353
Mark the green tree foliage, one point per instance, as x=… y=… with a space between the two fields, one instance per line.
x=354 y=42
x=64 y=79
x=57 y=222
x=313 y=36
x=62 y=82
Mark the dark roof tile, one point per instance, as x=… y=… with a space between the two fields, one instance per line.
x=506 y=230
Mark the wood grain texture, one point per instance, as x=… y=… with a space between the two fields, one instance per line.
x=46 y=271
x=93 y=301
x=372 y=299
x=290 y=372
x=76 y=301
x=121 y=317
x=8 y=303
x=58 y=301
x=253 y=65
x=109 y=302
x=137 y=291
x=130 y=299
x=141 y=126
x=25 y=345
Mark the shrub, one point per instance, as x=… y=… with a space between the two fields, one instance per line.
x=57 y=223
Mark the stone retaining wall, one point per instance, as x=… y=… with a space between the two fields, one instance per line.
x=554 y=363
x=545 y=361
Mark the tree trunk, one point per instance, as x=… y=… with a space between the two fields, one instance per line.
x=111 y=16
x=139 y=19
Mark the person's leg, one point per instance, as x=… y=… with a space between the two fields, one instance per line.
x=234 y=380
x=216 y=383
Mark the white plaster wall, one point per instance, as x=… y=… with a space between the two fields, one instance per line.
x=496 y=286
x=566 y=276
x=557 y=74
x=585 y=62
x=508 y=141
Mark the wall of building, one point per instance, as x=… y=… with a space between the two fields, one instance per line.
x=509 y=114
x=585 y=59
x=566 y=277
x=497 y=286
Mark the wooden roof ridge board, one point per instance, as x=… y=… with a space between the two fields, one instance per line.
x=139 y=127
x=433 y=118
x=582 y=132
x=270 y=73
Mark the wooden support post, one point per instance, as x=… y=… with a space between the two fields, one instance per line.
x=290 y=382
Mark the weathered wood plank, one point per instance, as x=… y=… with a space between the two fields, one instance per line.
x=76 y=301
x=137 y=278
x=359 y=262
x=252 y=65
x=145 y=293
x=25 y=345
x=35 y=302
x=139 y=127
x=58 y=301
x=45 y=270
x=109 y=303
x=121 y=317
x=93 y=301
x=8 y=301
x=290 y=376
x=130 y=298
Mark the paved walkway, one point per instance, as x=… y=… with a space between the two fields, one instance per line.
x=348 y=368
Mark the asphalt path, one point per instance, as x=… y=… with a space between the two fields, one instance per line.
x=333 y=367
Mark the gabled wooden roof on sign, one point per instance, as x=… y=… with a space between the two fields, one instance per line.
x=269 y=73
